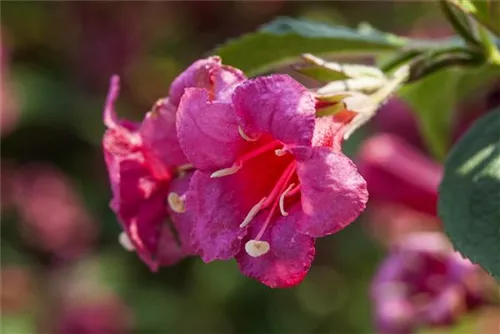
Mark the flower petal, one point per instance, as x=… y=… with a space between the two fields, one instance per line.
x=182 y=221
x=289 y=257
x=142 y=211
x=160 y=136
x=110 y=118
x=206 y=73
x=208 y=132
x=216 y=232
x=277 y=105
x=333 y=194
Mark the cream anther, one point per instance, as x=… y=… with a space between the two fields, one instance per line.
x=256 y=248
x=252 y=213
x=226 y=171
x=125 y=242
x=245 y=136
x=282 y=199
x=176 y=202
x=280 y=152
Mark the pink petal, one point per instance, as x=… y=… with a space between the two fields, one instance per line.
x=110 y=118
x=329 y=130
x=277 y=105
x=216 y=232
x=142 y=210
x=160 y=136
x=208 y=132
x=183 y=222
x=205 y=73
x=333 y=194
x=289 y=257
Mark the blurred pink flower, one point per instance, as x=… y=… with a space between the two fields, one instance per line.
x=423 y=282
x=267 y=175
x=398 y=173
x=53 y=217
x=107 y=315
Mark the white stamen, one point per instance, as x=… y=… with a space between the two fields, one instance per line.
x=226 y=171
x=176 y=202
x=282 y=199
x=125 y=242
x=256 y=248
x=280 y=152
x=253 y=211
x=245 y=136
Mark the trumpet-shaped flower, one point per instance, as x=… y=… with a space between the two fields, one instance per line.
x=147 y=168
x=270 y=177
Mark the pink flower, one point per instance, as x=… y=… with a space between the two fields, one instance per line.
x=268 y=179
x=424 y=282
x=147 y=167
x=52 y=215
x=396 y=172
x=104 y=315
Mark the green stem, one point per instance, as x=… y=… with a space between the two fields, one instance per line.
x=490 y=49
x=457 y=25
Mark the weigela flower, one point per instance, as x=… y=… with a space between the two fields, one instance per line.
x=270 y=176
x=423 y=282
x=396 y=172
x=147 y=167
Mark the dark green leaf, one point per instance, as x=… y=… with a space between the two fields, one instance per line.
x=469 y=195
x=284 y=39
x=434 y=98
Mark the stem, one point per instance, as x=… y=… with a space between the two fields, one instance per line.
x=490 y=49
x=457 y=25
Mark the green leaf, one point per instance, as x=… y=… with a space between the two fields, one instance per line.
x=434 y=98
x=283 y=40
x=469 y=194
x=487 y=12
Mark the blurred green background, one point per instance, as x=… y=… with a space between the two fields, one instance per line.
x=63 y=270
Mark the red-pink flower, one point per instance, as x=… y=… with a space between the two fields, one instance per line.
x=269 y=180
x=396 y=172
x=147 y=167
x=424 y=282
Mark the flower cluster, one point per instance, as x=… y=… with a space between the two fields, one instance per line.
x=228 y=167
x=423 y=282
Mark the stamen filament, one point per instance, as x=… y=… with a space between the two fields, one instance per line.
x=289 y=172
x=252 y=213
x=262 y=149
x=282 y=199
x=279 y=185
x=176 y=202
x=245 y=136
x=226 y=171
x=293 y=191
